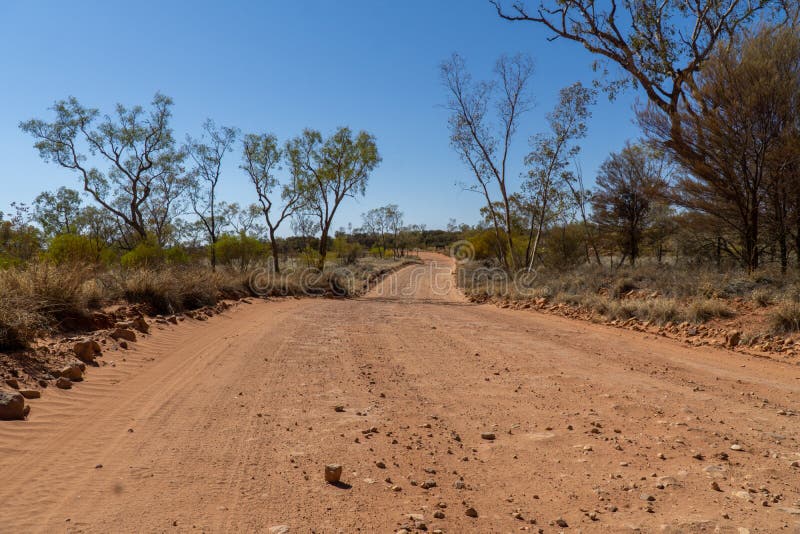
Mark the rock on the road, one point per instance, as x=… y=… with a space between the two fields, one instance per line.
x=72 y=372
x=87 y=350
x=123 y=333
x=333 y=472
x=12 y=405
x=64 y=383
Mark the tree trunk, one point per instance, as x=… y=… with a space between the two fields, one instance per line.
x=274 y=243
x=784 y=252
x=323 y=247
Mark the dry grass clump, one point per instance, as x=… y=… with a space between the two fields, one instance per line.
x=762 y=297
x=705 y=309
x=659 y=294
x=785 y=317
x=174 y=289
x=38 y=297
x=18 y=323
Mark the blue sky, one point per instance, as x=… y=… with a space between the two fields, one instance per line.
x=281 y=66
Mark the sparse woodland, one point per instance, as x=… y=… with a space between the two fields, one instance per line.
x=146 y=223
x=704 y=205
x=701 y=211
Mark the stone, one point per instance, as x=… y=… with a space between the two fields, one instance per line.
x=87 y=350
x=123 y=333
x=333 y=472
x=438 y=514
x=733 y=338
x=561 y=523
x=72 y=372
x=488 y=436
x=64 y=383
x=279 y=529
x=141 y=325
x=12 y=405
x=339 y=408
x=736 y=447
x=428 y=484
x=12 y=383
x=30 y=393
x=380 y=465
x=471 y=512
x=172 y=319
x=459 y=484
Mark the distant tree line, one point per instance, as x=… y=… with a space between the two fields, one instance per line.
x=153 y=198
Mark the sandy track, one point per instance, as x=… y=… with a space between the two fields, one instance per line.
x=225 y=425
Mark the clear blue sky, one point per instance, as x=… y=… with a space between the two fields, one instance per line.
x=281 y=66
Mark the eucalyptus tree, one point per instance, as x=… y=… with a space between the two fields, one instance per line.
x=661 y=46
x=376 y=223
x=206 y=155
x=482 y=141
x=741 y=138
x=328 y=170
x=261 y=158
x=549 y=178
x=135 y=145
x=58 y=212
x=629 y=185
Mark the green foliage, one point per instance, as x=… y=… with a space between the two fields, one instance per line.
x=239 y=251
x=19 y=241
x=58 y=212
x=176 y=255
x=326 y=171
x=145 y=254
x=136 y=145
x=310 y=257
x=485 y=244
x=347 y=253
x=72 y=248
x=565 y=246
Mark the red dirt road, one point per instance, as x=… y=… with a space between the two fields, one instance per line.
x=226 y=426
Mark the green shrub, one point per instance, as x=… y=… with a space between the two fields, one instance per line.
x=239 y=251
x=145 y=254
x=347 y=253
x=73 y=248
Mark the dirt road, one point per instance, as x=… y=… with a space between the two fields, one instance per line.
x=226 y=426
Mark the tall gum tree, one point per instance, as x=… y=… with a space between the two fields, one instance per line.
x=327 y=171
x=261 y=158
x=484 y=142
x=136 y=146
x=206 y=155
